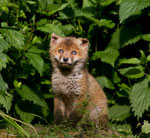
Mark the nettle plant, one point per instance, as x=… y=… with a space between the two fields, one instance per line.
x=24 y=73
x=119 y=35
x=131 y=74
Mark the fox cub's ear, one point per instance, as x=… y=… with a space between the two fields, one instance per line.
x=55 y=39
x=84 y=43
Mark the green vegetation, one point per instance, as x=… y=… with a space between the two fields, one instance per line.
x=119 y=57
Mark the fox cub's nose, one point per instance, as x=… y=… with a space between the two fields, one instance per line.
x=65 y=59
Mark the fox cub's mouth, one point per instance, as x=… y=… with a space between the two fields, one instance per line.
x=64 y=64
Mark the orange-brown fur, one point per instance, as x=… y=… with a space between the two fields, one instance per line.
x=72 y=84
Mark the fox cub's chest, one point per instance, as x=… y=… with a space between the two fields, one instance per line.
x=66 y=85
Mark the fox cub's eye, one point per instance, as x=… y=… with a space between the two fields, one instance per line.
x=74 y=52
x=60 y=51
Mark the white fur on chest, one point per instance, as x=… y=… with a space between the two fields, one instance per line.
x=66 y=85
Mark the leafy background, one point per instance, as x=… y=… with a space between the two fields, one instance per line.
x=119 y=56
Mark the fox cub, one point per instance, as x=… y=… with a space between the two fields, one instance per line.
x=72 y=84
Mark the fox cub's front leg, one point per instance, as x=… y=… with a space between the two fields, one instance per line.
x=59 y=110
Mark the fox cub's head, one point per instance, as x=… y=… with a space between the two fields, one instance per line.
x=68 y=52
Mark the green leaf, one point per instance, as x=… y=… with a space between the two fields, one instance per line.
x=36 y=61
x=42 y=22
x=119 y=112
x=3 y=85
x=132 y=72
x=56 y=7
x=35 y=50
x=5 y=97
x=86 y=14
x=88 y=3
x=146 y=37
x=115 y=40
x=109 y=56
x=67 y=29
x=107 y=2
x=146 y=127
x=3 y=45
x=106 y=23
x=3 y=2
x=25 y=116
x=50 y=28
x=125 y=129
x=116 y=78
x=3 y=60
x=131 y=7
x=49 y=8
x=28 y=94
x=148 y=58
x=130 y=34
x=129 y=61
x=124 y=90
x=43 y=3
x=67 y=13
x=139 y=98
x=143 y=58
x=105 y=82
x=124 y=87
x=14 y=37
x=89 y=6
x=6 y=100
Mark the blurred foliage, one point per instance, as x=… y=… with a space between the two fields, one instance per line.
x=119 y=55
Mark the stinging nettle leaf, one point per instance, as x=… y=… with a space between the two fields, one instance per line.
x=88 y=15
x=3 y=85
x=25 y=116
x=6 y=100
x=42 y=4
x=129 y=61
x=50 y=28
x=3 y=60
x=88 y=3
x=132 y=72
x=105 y=82
x=146 y=37
x=37 y=61
x=131 y=7
x=107 y=2
x=3 y=45
x=143 y=58
x=56 y=7
x=109 y=55
x=130 y=34
x=14 y=37
x=35 y=50
x=3 y=2
x=119 y=112
x=67 y=29
x=148 y=58
x=5 y=97
x=140 y=97
x=107 y=23
x=28 y=94
x=146 y=127
x=89 y=6
x=115 y=41
x=122 y=128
